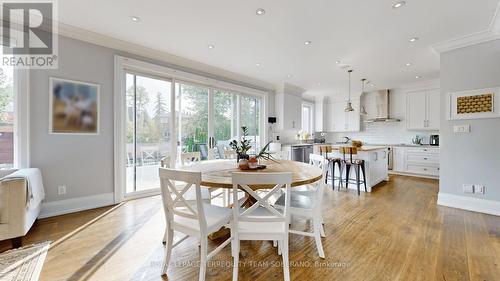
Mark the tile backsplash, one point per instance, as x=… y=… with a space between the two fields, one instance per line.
x=383 y=133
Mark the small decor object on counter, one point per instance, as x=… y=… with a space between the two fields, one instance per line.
x=475 y=104
x=416 y=140
x=357 y=143
x=243 y=146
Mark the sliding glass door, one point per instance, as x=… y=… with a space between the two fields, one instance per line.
x=148 y=134
x=250 y=116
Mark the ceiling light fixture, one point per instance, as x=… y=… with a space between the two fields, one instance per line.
x=372 y=85
x=408 y=64
x=337 y=61
x=349 y=108
x=260 y=11
x=211 y=46
x=135 y=19
x=363 y=109
x=417 y=77
x=289 y=76
x=398 y=4
x=414 y=39
x=307 y=43
x=257 y=64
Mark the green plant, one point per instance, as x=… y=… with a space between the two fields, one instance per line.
x=243 y=146
x=264 y=154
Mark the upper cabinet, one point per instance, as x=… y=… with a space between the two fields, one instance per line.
x=289 y=107
x=422 y=110
x=321 y=111
x=341 y=121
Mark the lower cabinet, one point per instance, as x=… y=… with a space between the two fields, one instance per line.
x=416 y=160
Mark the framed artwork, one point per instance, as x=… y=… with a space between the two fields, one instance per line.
x=74 y=107
x=474 y=104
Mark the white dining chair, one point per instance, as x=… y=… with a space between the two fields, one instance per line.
x=307 y=204
x=189 y=158
x=229 y=154
x=194 y=219
x=261 y=221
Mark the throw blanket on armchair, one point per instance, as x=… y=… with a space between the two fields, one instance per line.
x=33 y=178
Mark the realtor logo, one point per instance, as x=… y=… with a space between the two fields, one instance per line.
x=29 y=34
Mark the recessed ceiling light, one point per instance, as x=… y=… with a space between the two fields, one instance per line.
x=417 y=77
x=408 y=64
x=373 y=85
x=211 y=46
x=307 y=43
x=258 y=64
x=337 y=61
x=319 y=83
x=260 y=11
x=413 y=39
x=135 y=19
x=398 y=4
x=288 y=75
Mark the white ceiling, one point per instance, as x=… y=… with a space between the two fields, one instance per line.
x=370 y=36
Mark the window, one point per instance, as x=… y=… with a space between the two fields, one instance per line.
x=7 y=116
x=307 y=118
x=250 y=118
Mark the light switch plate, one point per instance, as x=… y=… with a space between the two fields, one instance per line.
x=468 y=188
x=461 y=128
x=61 y=190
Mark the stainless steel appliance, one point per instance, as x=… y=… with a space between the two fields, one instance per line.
x=434 y=140
x=301 y=153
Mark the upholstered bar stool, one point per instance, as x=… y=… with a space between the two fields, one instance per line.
x=357 y=164
x=327 y=152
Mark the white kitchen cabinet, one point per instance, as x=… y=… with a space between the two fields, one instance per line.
x=422 y=161
x=378 y=166
x=342 y=121
x=289 y=108
x=398 y=159
x=321 y=120
x=422 y=110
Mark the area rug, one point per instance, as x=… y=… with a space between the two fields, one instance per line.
x=23 y=264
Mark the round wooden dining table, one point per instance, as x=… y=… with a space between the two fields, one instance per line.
x=217 y=173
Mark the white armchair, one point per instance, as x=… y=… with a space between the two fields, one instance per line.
x=18 y=211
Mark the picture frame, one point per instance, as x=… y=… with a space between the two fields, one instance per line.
x=474 y=104
x=74 y=107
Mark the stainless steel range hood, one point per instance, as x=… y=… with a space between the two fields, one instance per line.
x=382 y=107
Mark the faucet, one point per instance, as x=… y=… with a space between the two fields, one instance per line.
x=346 y=139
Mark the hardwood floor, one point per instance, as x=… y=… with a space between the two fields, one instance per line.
x=395 y=233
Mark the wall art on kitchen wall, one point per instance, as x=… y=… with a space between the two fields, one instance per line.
x=74 y=107
x=474 y=104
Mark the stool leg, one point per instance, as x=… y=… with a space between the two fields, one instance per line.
x=358 y=183
x=347 y=170
x=333 y=175
x=341 y=182
x=364 y=175
x=326 y=176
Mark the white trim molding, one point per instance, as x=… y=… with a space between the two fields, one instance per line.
x=61 y=207
x=489 y=34
x=469 y=203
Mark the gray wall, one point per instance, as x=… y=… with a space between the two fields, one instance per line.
x=83 y=163
x=472 y=158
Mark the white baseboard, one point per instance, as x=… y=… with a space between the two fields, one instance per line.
x=469 y=203
x=413 y=175
x=61 y=207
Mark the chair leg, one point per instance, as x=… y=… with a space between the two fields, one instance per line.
x=286 y=265
x=364 y=175
x=356 y=170
x=333 y=175
x=280 y=247
x=326 y=176
x=203 y=258
x=317 y=238
x=236 y=258
x=169 y=238
x=340 y=176
x=347 y=170
x=322 y=224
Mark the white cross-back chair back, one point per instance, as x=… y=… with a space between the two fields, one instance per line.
x=175 y=204
x=189 y=157
x=319 y=162
x=276 y=181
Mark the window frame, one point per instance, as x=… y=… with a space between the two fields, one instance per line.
x=127 y=65
x=311 y=108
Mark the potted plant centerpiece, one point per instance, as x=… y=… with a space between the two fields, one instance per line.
x=244 y=160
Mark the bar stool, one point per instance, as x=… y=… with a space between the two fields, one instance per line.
x=357 y=164
x=327 y=151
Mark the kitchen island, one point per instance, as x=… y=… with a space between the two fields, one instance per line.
x=376 y=165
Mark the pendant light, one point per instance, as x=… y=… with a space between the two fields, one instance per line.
x=349 y=108
x=363 y=110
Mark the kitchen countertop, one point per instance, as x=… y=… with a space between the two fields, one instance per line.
x=366 y=144
x=363 y=148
